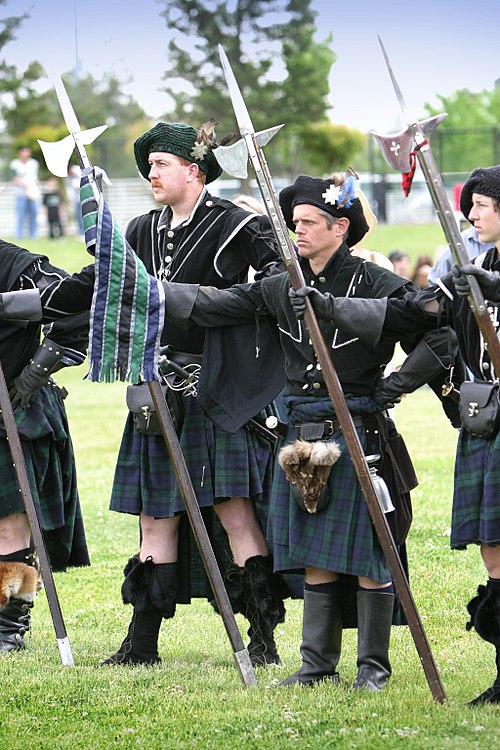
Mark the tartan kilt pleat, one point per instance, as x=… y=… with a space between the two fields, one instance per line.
x=50 y=466
x=476 y=495
x=340 y=537
x=221 y=465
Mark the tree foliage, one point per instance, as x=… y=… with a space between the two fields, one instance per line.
x=331 y=147
x=96 y=102
x=15 y=86
x=28 y=115
x=281 y=69
x=470 y=135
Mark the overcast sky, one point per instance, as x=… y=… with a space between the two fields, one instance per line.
x=434 y=49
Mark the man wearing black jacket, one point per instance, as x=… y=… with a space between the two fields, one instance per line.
x=43 y=428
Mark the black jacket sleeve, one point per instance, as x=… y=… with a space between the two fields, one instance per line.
x=69 y=296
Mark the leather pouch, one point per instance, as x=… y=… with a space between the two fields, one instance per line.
x=140 y=404
x=480 y=407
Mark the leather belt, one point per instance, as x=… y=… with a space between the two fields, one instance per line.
x=322 y=430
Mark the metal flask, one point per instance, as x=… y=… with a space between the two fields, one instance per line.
x=381 y=489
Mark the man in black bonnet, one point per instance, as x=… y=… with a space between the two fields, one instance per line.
x=476 y=506
x=192 y=237
x=318 y=523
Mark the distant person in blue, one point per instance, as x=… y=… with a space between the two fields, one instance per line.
x=473 y=247
x=24 y=176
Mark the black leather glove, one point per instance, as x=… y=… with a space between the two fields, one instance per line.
x=489 y=281
x=36 y=373
x=322 y=304
x=385 y=395
x=421 y=365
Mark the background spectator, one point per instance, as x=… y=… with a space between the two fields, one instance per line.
x=401 y=263
x=24 y=176
x=423 y=267
x=53 y=202
x=72 y=184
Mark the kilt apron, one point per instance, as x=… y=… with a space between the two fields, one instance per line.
x=340 y=537
x=50 y=465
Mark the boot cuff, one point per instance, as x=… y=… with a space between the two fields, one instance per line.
x=147 y=585
x=17 y=581
x=484 y=611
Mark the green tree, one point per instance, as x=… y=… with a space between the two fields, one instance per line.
x=470 y=135
x=15 y=86
x=332 y=147
x=96 y=102
x=281 y=70
x=26 y=114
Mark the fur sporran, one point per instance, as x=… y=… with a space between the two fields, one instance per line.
x=307 y=466
x=480 y=407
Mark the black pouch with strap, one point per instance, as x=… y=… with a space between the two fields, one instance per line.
x=140 y=404
x=480 y=407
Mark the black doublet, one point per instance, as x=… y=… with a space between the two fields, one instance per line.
x=237 y=370
x=470 y=341
x=357 y=364
x=454 y=311
x=215 y=245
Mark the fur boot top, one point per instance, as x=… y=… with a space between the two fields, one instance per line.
x=148 y=584
x=265 y=589
x=307 y=466
x=484 y=611
x=18 y=581
x=235 y=586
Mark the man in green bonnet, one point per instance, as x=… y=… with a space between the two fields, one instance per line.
x=198 y=238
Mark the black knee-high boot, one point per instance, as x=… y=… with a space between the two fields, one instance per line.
x=321 y=638
x=18 y=573
x=257 y=592
x=484 y=610
x=151 y=589
x=375 y=610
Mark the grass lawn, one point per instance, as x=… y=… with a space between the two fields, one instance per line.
x=195 y=698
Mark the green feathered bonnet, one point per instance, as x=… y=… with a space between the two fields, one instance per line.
x=179 y=139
